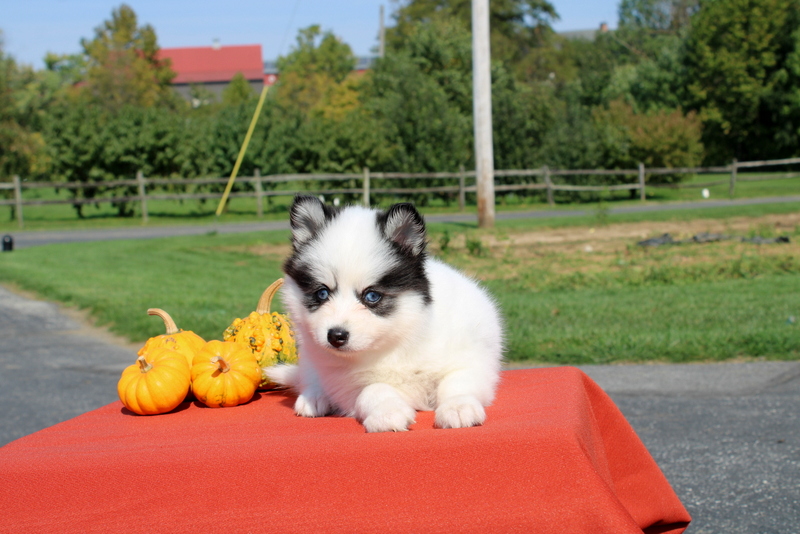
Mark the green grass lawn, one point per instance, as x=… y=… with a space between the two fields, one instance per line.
x=204 y=282
x=715 y=302
x=670 y=323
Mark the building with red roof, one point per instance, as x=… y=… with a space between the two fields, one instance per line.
x=213 y=67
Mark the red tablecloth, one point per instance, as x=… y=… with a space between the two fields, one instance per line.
x=555 y=455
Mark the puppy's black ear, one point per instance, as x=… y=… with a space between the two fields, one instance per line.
x=308 y=216
x=402 y=224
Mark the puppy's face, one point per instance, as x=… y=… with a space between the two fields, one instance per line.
x=357 y=282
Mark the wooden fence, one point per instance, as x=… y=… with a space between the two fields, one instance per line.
x=263 y=186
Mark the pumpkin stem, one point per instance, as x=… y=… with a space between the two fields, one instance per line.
x=144 y=365
x=169 y=324
x=266 y=298
x=223 y=365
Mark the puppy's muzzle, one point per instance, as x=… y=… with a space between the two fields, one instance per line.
x=338 y=337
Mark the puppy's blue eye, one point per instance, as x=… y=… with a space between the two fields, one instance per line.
x=372 y=297
x=323 y=294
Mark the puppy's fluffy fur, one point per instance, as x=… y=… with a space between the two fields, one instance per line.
x=383 y=330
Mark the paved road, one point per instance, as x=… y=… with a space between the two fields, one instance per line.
x=727 y=436
x=25 y=238
x=51 y=367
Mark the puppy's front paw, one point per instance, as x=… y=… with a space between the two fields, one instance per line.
x=311 y=405
x=460 y=412
x=390 y=416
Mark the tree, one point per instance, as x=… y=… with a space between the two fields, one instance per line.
x=661 y=138
x=651 y=83
x=314 y=55
x=421 y=97
x=115 y=113
x=743 y=65
x=319 y=123
x=516 y=26
x=91 y=146
x=238 y=91
x=421 y=94
x=123 y=64
x=646 y=27
x=318 y=62
x=666 y=16
x=572 y=141
x=68 y=69
x=522 y=114
x=592 y=65
x=22 y=148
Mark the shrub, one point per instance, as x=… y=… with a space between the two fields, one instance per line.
x=661 y=138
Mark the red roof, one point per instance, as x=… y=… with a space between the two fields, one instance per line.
x=215 y=64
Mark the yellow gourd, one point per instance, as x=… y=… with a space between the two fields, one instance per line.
x=184 y=341
x=224 y=374
x=268 y=334
x=157 y=383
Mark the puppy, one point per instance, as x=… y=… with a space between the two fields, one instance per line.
x=382 y=329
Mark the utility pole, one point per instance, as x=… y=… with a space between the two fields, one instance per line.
x=482 y=112
x=381 y=36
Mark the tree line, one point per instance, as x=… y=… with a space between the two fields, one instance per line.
x=677 y=84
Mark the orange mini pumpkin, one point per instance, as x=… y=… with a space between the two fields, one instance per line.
x=184 y=341
x=156 y=383
x=225 y=374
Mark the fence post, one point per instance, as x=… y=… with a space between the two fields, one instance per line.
x=641 y=182
x=142 y=196
x=18 y=201
x=732 y=186
x=366 y=186
x=259 y=195
x=462 y=201
x=549 y=183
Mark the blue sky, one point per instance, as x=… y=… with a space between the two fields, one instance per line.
x=31 y=28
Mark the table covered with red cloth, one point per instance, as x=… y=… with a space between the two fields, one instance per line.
x=555 y=455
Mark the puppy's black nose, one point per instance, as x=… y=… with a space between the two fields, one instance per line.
x=338 y=337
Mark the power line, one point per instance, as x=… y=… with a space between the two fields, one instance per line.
x=288 y=27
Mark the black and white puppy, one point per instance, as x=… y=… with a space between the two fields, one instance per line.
x=382 y=329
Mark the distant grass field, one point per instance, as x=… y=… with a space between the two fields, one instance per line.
x=743 y=189
x=563 y=302
x=168 y=212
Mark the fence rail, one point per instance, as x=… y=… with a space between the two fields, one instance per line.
x=366 y=190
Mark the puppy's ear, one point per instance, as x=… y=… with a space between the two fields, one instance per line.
x=308 y=216
x=402 y=224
